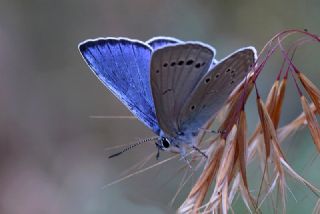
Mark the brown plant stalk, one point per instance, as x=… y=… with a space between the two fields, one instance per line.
x=224 y=174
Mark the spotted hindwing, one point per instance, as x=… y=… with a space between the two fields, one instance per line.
x=214 y=88
x=175 y=72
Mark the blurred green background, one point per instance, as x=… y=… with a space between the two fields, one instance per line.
x=52 y=155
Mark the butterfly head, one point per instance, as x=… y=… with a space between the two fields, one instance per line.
x=163 y=143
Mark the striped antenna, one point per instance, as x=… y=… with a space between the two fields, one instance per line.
x=112 y=117
x=133 y=145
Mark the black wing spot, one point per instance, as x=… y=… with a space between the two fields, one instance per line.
x=228 y=70
x=217 y=76
x=189 y=62
x=207 y=80
x=198 y=65
x=231 y=82
x=165 y=64
x=157 y=71
x=166 y=91
x=192 y=107
x=181 y=62
x=173 y=64
x=232 y=71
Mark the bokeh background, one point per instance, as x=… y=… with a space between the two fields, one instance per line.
x=52 y=154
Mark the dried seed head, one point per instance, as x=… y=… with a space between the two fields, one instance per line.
x=229 y=155
x=312 y=122
x=264 y=126
x=227 y=158
x=294 y=125
x=269 y=131
x=271 y=138
x=242 y=146
x=199 y=190
x=235 y=104
x=278 y=105
x=311 y=89
x=224 y=172
x=272 y=97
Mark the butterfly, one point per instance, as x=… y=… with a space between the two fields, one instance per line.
x=173 y=87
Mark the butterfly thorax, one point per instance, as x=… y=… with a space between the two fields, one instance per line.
x=176 y=143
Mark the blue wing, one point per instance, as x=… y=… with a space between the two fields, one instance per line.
x=162 y=41
x=123 y=66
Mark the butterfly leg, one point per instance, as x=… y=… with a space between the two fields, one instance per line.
x=183 y=154
x=212 y=131
x=158 y=154
x=201 y=152
x=195 y=148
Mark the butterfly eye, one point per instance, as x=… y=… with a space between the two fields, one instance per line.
x=165 y=142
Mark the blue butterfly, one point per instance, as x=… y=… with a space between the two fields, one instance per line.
x=173 y=87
